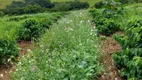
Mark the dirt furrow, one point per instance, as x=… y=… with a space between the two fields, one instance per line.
x=109 y=47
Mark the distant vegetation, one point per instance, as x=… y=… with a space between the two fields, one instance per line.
x=4 y=3
x=36 y=6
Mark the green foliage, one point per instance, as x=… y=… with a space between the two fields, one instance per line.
x=62 y=6
x=1 y=13
x=129 y=1
x=33 y=9
x=133 y=37
x=33 y=27
x=129 y=62
x=76 y=4
x=99 y=4
x=26 y=7
x=18 y=18
x=36 y=6
x=70 y=5
x=42 y=3
x=8 y=49
x=106 y=20
x=107 y=27
x=68 y=51
x=31 y=30
x=110 y=4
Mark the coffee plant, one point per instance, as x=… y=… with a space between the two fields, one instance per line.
x=32 y=29
x=129 y=61
x=8 y=49
x=108 y=27
x=105 y=21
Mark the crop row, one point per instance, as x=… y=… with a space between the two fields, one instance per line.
x=127 y=19
x=68 y=51
x=26 y=27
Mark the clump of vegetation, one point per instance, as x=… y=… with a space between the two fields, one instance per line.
x=129 y=1
x=8 y=49
x=31 y=30
x=99 y=4
x=70 y=5
x=36 y=6
x=108 y=27
x=129 y=60
x=106 y=20
x=69 y=50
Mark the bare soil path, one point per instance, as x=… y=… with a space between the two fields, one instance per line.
x=109 y=47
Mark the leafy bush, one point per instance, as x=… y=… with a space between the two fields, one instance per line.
x=62 y=6
x=76 y=4
x=8 y=49
x=99 y=4
x=1 y=13
x=70 y=5
x=29 y=9
x=32 y=29
x=17 y=18
x=133 y=37
x=129 y=1
x=129 y=62
x=37 y=6
x=113 y=14
x=107 y=27
x=105 y=21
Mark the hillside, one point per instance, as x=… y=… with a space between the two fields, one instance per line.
x=3 y=3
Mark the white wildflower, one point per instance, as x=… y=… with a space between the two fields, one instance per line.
x=94 y=27
x=29 y=51
x=9 y=59
x=80 y=13
x=41 y=46
x=81 y=21
x=88 y=21
x=91 y=33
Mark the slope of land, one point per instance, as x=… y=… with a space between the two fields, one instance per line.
x=4 y=3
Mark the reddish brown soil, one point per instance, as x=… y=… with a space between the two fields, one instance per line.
x=25 y=45
x=109 y=47
x=4 y=73
x=5 y=70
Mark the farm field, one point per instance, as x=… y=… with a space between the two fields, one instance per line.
x=76 y=43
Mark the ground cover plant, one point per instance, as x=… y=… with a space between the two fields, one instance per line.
x=69 y=51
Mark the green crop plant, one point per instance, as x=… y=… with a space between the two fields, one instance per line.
x=68 y=51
